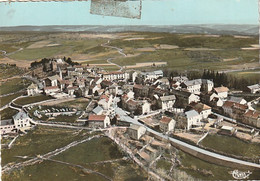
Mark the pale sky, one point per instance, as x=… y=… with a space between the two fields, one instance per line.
x=154 y=12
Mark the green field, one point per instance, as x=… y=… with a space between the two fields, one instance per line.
x=7 y=113
x=78 y=103
x=7 y=99
x=64 y=47
x=192 y=52
x=13 y=85
x=7 y=71
x=68 y=119
x=32 y=99
x=45 y=139
x=232 y=145
x=202 y=170
x=40 y=141
x=252 y=75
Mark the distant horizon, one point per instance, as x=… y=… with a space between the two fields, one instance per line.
x=132 y=25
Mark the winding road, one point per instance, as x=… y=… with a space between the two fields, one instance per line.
x=197 y=149
x=120 y=51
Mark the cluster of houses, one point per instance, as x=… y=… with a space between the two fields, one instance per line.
x=126 y=95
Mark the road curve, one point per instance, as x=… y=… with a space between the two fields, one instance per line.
x=200 y=150
x=120 y=51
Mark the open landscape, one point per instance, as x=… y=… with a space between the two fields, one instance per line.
x=68 y=84
x=179 y=51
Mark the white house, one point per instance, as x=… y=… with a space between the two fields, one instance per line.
x=167 y=102
x=130 y=94
x=115 y=75
x=33 y=89
x=136 y=131
x=167 y=124
x=180 y=79
x=222 y=92
x=193 y=119
x=51 y=81
x=146 y=107
x=203 y=109
x=193 y=98
x=51 y=89
x=98 y=121
x=152 y=75
x=105 y=101
x=254 y=88
x=193 y=86
x=21 y=120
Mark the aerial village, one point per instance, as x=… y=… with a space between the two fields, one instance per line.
x=146 y=106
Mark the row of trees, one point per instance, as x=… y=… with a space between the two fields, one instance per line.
x=219 y=78
x=46 y=61
x=69 y=61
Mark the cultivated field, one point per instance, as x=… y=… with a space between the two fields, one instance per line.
x=180 y=51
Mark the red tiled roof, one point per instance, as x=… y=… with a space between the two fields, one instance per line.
x=138 y=86
x=252 y=114
x=199 y=107
x=132 y=102
x=104 y=97
x=165 y=119
x=93 y=117
x=235 y=105
x=228 y=104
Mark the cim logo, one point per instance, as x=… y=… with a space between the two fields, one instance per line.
x=236 y=174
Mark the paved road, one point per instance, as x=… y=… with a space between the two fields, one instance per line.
x=119 y=51
x=238 y=70
x=199 y=150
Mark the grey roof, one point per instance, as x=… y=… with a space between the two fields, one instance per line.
x=97 y=109
x=54 y=77
x=198 y=81
x=20 y=115
x=180 y=77
x=191 y=113
x=255 y=86
x=168 y=98
x=193 y=82
x=236 y=99
x=6 y=122
x=158 y=72
x=135 y=126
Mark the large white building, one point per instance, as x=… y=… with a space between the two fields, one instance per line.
x=21 y=120
x=167 y=102
x=193 y=119
x=115 y=75
x=152 y=75
x=195 y=86
x=136 y=131
x=33 y=89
